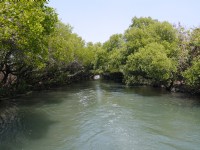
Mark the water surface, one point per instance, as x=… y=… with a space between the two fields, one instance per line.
x=98 y=115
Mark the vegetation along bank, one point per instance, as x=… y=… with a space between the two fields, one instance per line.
x=38 y=51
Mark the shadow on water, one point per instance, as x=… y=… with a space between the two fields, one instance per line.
x=17 y=126
x=52 y=96
x=41 y=98
x=145 y=91
x=180 y=99
x=186 y=100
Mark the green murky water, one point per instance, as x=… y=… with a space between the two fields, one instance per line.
x=97 y=115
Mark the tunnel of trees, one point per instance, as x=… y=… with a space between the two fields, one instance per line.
x=38 y=51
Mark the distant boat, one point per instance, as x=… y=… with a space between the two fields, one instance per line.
x=96 y=77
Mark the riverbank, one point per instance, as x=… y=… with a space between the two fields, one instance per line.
x=44 y=84
x=176 y=86
x=82 y=75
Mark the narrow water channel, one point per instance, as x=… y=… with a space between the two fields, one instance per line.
x=98 y=115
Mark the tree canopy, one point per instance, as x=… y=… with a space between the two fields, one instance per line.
x=25 y=27
x=152 y=52
x=37 y=49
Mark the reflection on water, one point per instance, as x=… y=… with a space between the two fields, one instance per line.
x=18 y=125
x=100 y=115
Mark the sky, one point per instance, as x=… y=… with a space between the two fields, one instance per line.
x=97 y=20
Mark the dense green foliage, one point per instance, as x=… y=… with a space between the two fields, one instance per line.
x=25 y=27
x=153 y=53
x=145 y=54
x=150 y=62
x=192 y=72
x=37 y=50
